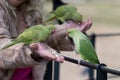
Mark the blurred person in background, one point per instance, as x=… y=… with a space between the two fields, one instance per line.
x=28 y=62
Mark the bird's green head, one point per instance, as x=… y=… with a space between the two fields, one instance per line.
x=71 y=34
x=71 y=31
x=51 y=28
x=77 y=17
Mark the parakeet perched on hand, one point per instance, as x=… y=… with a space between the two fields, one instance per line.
x=83 y=45
x=36 y=33
x=65 y=12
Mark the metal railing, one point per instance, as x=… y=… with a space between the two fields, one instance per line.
x=53 y=68
x=93 y=37
x=102 y=69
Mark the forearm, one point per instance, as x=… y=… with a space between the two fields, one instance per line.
x=58 y=41
x=17 y=56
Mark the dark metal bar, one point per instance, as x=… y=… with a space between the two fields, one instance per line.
x=91 y=71
x=93 y=39
x=101 y=75
x=88 y=64
x=71 y=60
x=109 y=70
x=57 y=3
x=48 y=75
x=80 y=62
x=108 y=35
x=56 y=70
x=56 y=65
x=91 y=65
x=91 y=74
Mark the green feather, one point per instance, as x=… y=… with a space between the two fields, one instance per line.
x=51 y=17
x=10 y=44
x=65 y=12
x=33 y=34
x=83 y=45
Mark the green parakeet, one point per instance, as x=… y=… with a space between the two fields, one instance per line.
x=33 y=34
x=65 y=12
x=83 y=45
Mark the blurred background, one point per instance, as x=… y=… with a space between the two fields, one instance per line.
x=106 y=20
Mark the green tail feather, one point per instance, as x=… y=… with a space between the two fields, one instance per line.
x=52 y=16
x=97 y=61
x=62 y=19
x=9 y=45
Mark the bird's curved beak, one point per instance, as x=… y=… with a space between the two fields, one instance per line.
x=66 y=36
x=53 y=31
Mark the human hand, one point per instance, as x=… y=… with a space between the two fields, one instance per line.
x=42 y=50
x=82 y=26
x=58 y=41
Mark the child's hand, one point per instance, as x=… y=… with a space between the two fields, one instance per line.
x=43 y=51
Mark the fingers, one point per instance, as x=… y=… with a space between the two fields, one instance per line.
x=90 y=21
x=48 y=56
x=58 y=57
x=43 y=51
x=82 y=26
x=86 y=25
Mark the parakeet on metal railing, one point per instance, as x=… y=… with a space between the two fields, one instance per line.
x=83 y=46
